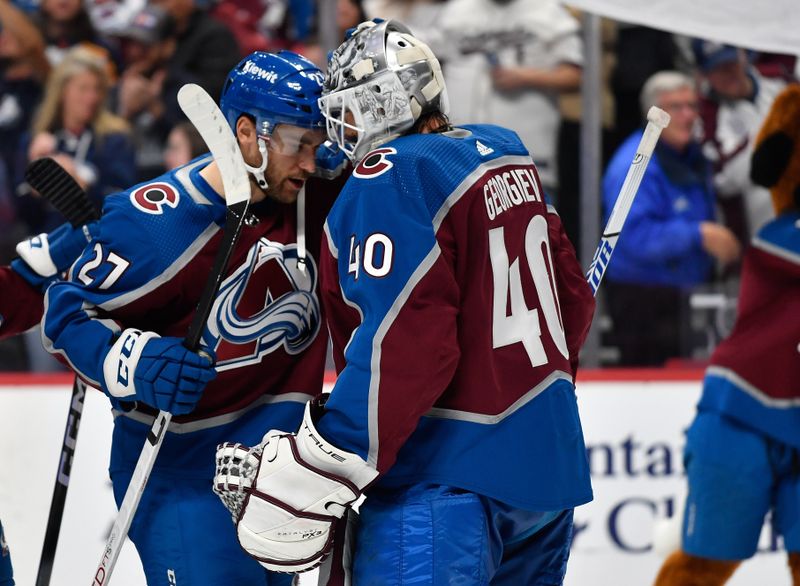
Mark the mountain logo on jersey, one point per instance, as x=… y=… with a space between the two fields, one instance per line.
x=152 y=198
x=483 y=150
x=375 y=163
x=265 y=304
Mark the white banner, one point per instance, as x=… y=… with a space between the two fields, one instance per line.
x=766 y=25
x=634 y=432
x=635 y=436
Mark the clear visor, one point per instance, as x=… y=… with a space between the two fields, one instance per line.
x=293 y=140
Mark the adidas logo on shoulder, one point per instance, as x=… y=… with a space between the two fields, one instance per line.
x=483 y=150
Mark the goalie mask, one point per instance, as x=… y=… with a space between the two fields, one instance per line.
x=272 y=89
x=380 y=81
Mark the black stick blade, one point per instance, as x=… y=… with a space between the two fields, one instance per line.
x=60 y=189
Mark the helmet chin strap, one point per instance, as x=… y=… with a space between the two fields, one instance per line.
x=258 y=172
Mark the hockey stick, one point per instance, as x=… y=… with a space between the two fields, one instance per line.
x=657 y=120
x=206 y=116
x=58 y=187
x=62 y=483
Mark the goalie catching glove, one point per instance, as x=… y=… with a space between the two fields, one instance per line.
x=287 y=494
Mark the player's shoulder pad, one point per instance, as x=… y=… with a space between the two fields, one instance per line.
x=430 y=167
x=156 y=202
x=439 y=155
x=169 y=208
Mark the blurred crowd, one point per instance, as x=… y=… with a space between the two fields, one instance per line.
x=93 y=84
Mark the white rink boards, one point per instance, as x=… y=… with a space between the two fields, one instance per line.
x=634 y=431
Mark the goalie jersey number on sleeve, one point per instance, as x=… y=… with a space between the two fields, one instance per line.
x=376 y=260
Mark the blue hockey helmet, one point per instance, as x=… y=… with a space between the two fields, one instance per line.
x=273 y=88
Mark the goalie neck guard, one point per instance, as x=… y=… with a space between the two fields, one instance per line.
x=380 y=81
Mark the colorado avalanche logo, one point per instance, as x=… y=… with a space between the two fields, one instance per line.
x=249 y=319
x=153 y=197
x=375 y=163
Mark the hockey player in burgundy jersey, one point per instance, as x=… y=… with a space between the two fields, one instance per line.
x=20 y=303
x=456 y=308
x=120 y=318
x=743 y=448
x=42 y=259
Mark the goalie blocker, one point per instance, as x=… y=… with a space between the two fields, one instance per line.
x=311 y=484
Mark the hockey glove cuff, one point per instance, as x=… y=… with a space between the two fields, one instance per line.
x=43 y=257
x=330 y=160
x=287 y=495
x=160 y=372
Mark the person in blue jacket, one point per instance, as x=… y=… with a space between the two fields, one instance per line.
x=671 y=239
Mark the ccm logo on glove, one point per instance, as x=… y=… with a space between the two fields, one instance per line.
x=121 y=362
x=159 y=372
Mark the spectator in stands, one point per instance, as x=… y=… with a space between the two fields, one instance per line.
x=183 y=144
x=146 y=43
x=65 y=24
x=242 y=17
x=348 y=14
x=735 y=100
x=23 y=69
x=639 y=53
x=205 y=50
x=670 y=238
x=507 y=63
x=269 y=25
x=569 y=136
x=74 y=127
x=111 y=16
x=421 y=16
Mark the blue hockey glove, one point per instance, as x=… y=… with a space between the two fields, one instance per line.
x=330 y=160
x=160 y=372
x=44 y=257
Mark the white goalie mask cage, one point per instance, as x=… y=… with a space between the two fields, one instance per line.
x=379 y=82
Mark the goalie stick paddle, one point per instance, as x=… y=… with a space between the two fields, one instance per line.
x=58 y=187
x=206 y=116
x=657 y=120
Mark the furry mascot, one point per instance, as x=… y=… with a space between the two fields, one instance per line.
x=743 y=447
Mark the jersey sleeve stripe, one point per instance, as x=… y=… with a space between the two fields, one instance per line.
x=225 y=418
x=357 y=307
x=471 y=179
x=484 y=419
x=753 y=391
x=776 y=250
x=182 y=176
x=375 y=363
x=331 y=244
x=50 y=346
